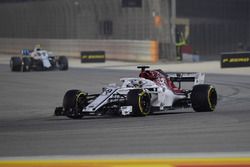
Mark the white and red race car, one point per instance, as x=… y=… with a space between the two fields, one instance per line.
x=152 y=91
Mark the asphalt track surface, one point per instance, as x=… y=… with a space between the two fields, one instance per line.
x=28 y=127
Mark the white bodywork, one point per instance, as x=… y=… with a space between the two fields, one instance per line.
x=42 y=55
x=161 y=95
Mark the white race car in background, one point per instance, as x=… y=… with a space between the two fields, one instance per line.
x=152 y=91
x=38 y=60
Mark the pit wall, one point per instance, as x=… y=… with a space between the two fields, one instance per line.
x=124 y=50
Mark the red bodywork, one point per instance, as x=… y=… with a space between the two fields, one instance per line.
x=160 y=79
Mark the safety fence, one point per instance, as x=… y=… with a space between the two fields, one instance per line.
x=88 y=19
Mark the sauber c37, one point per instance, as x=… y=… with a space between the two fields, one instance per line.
x=152 y=91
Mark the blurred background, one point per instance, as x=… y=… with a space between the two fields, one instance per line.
x=133 y=30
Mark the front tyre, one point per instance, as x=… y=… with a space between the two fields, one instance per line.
x=140 y=102
x=15 y=64
x=26 y=64
x=203 y=98
x=63 y=64
x=73 y=103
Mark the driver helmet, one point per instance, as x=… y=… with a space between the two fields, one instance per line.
x=37 y=47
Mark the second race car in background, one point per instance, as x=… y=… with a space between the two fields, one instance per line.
x=38 y=60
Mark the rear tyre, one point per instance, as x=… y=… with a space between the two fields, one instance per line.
x=73 y=103
x=15 y=64
x=203 y=98
x=38 y=65
x=140 y=102
x=26 y=64
x=63 y=63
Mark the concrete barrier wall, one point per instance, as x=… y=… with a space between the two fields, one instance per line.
x=128 y=50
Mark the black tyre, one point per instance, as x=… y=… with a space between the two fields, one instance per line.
x=73 y=103
x=140 y=102
x=26 y=64
x=15 y=64
x=203 y=98
x=63 y=63
x=37 y=65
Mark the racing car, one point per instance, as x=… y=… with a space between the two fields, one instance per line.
x=38 y=60
x=152 y=91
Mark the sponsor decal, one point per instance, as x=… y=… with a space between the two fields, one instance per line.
x=92 y=56
x=235 y=59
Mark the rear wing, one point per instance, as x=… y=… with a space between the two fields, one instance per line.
x=196 y=78
x=26 y=52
